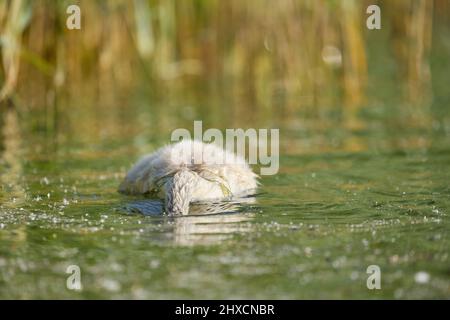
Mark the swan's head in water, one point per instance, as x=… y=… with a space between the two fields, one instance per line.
x=179 y=192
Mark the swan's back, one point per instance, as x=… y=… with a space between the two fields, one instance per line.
x=217 y=171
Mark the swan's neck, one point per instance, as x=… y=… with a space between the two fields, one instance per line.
x=179 y=192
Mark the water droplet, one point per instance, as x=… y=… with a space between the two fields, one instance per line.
x=422 y=277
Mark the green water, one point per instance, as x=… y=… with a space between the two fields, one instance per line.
x=372 y=190
x=313 y=231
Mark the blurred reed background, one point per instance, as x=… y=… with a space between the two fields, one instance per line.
x=262 y=57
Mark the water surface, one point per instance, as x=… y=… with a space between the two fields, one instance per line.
x=356 y=187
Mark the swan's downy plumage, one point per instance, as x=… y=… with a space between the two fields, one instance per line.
x=190 y=171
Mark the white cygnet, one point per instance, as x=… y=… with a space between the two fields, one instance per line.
x=190 y=171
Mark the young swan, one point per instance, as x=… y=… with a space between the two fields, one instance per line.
x=190 y=171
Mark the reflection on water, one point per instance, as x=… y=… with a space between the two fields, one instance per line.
x=207 y=223
x=210 y=229
x=11 y=170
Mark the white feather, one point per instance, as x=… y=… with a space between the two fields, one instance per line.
x=208 y=172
